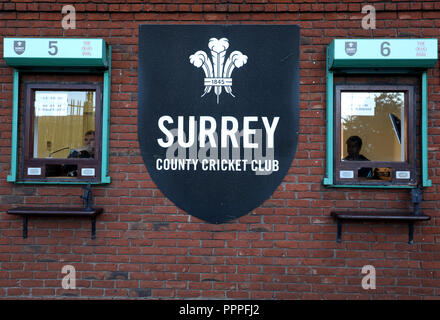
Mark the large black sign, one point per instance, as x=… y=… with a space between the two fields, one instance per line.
x=218 y=113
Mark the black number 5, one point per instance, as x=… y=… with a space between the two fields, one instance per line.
x=385 y=51
x=52 y=45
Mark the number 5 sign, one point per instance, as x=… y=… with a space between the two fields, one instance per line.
x=52 y=52
x=53 y=45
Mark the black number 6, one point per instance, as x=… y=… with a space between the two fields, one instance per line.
x=52 y=45
x=385 y=51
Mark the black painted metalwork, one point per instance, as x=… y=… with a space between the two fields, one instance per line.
x=339 y=232
x=411 y=232
x=395 y=216
x=87 y=198
x=93 y=227
x=26 y=212
x=417 y=198
x=25 y=223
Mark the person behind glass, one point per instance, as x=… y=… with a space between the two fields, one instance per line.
x=354 y=146
x=88 y=149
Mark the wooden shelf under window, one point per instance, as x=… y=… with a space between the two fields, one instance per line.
x=396 y=216
x=26 y=212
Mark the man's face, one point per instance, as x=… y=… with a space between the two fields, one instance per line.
x=89 y=140
x=353 y=148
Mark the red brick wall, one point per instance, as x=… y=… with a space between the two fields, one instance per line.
x=286 y=249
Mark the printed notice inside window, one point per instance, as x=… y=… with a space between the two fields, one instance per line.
x=51 y=104
x=357 y=104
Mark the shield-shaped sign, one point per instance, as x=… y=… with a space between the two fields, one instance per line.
x=19 y=46
x=350 y=47
x=218 y=113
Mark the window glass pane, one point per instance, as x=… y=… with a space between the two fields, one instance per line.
x=373 y=126
x=64 y=124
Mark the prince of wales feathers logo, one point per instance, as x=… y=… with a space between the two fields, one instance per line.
x=218 y=73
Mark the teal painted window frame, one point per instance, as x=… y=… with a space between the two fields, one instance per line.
x=328 y=181
x=105 y=178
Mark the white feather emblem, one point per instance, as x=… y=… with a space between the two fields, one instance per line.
x=218 y=74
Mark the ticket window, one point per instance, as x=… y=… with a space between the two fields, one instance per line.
x=374 y=135
x=60 y=110
x=376 y=90
x=62 y=132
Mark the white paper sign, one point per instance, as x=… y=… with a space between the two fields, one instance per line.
x=357 y=104
x=88 y=172
x=346 y=174
x=51 y=104
x=403 y=174
x=34 y=171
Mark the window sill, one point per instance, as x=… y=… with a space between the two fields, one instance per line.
x=60 y=182
x=384 y=186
